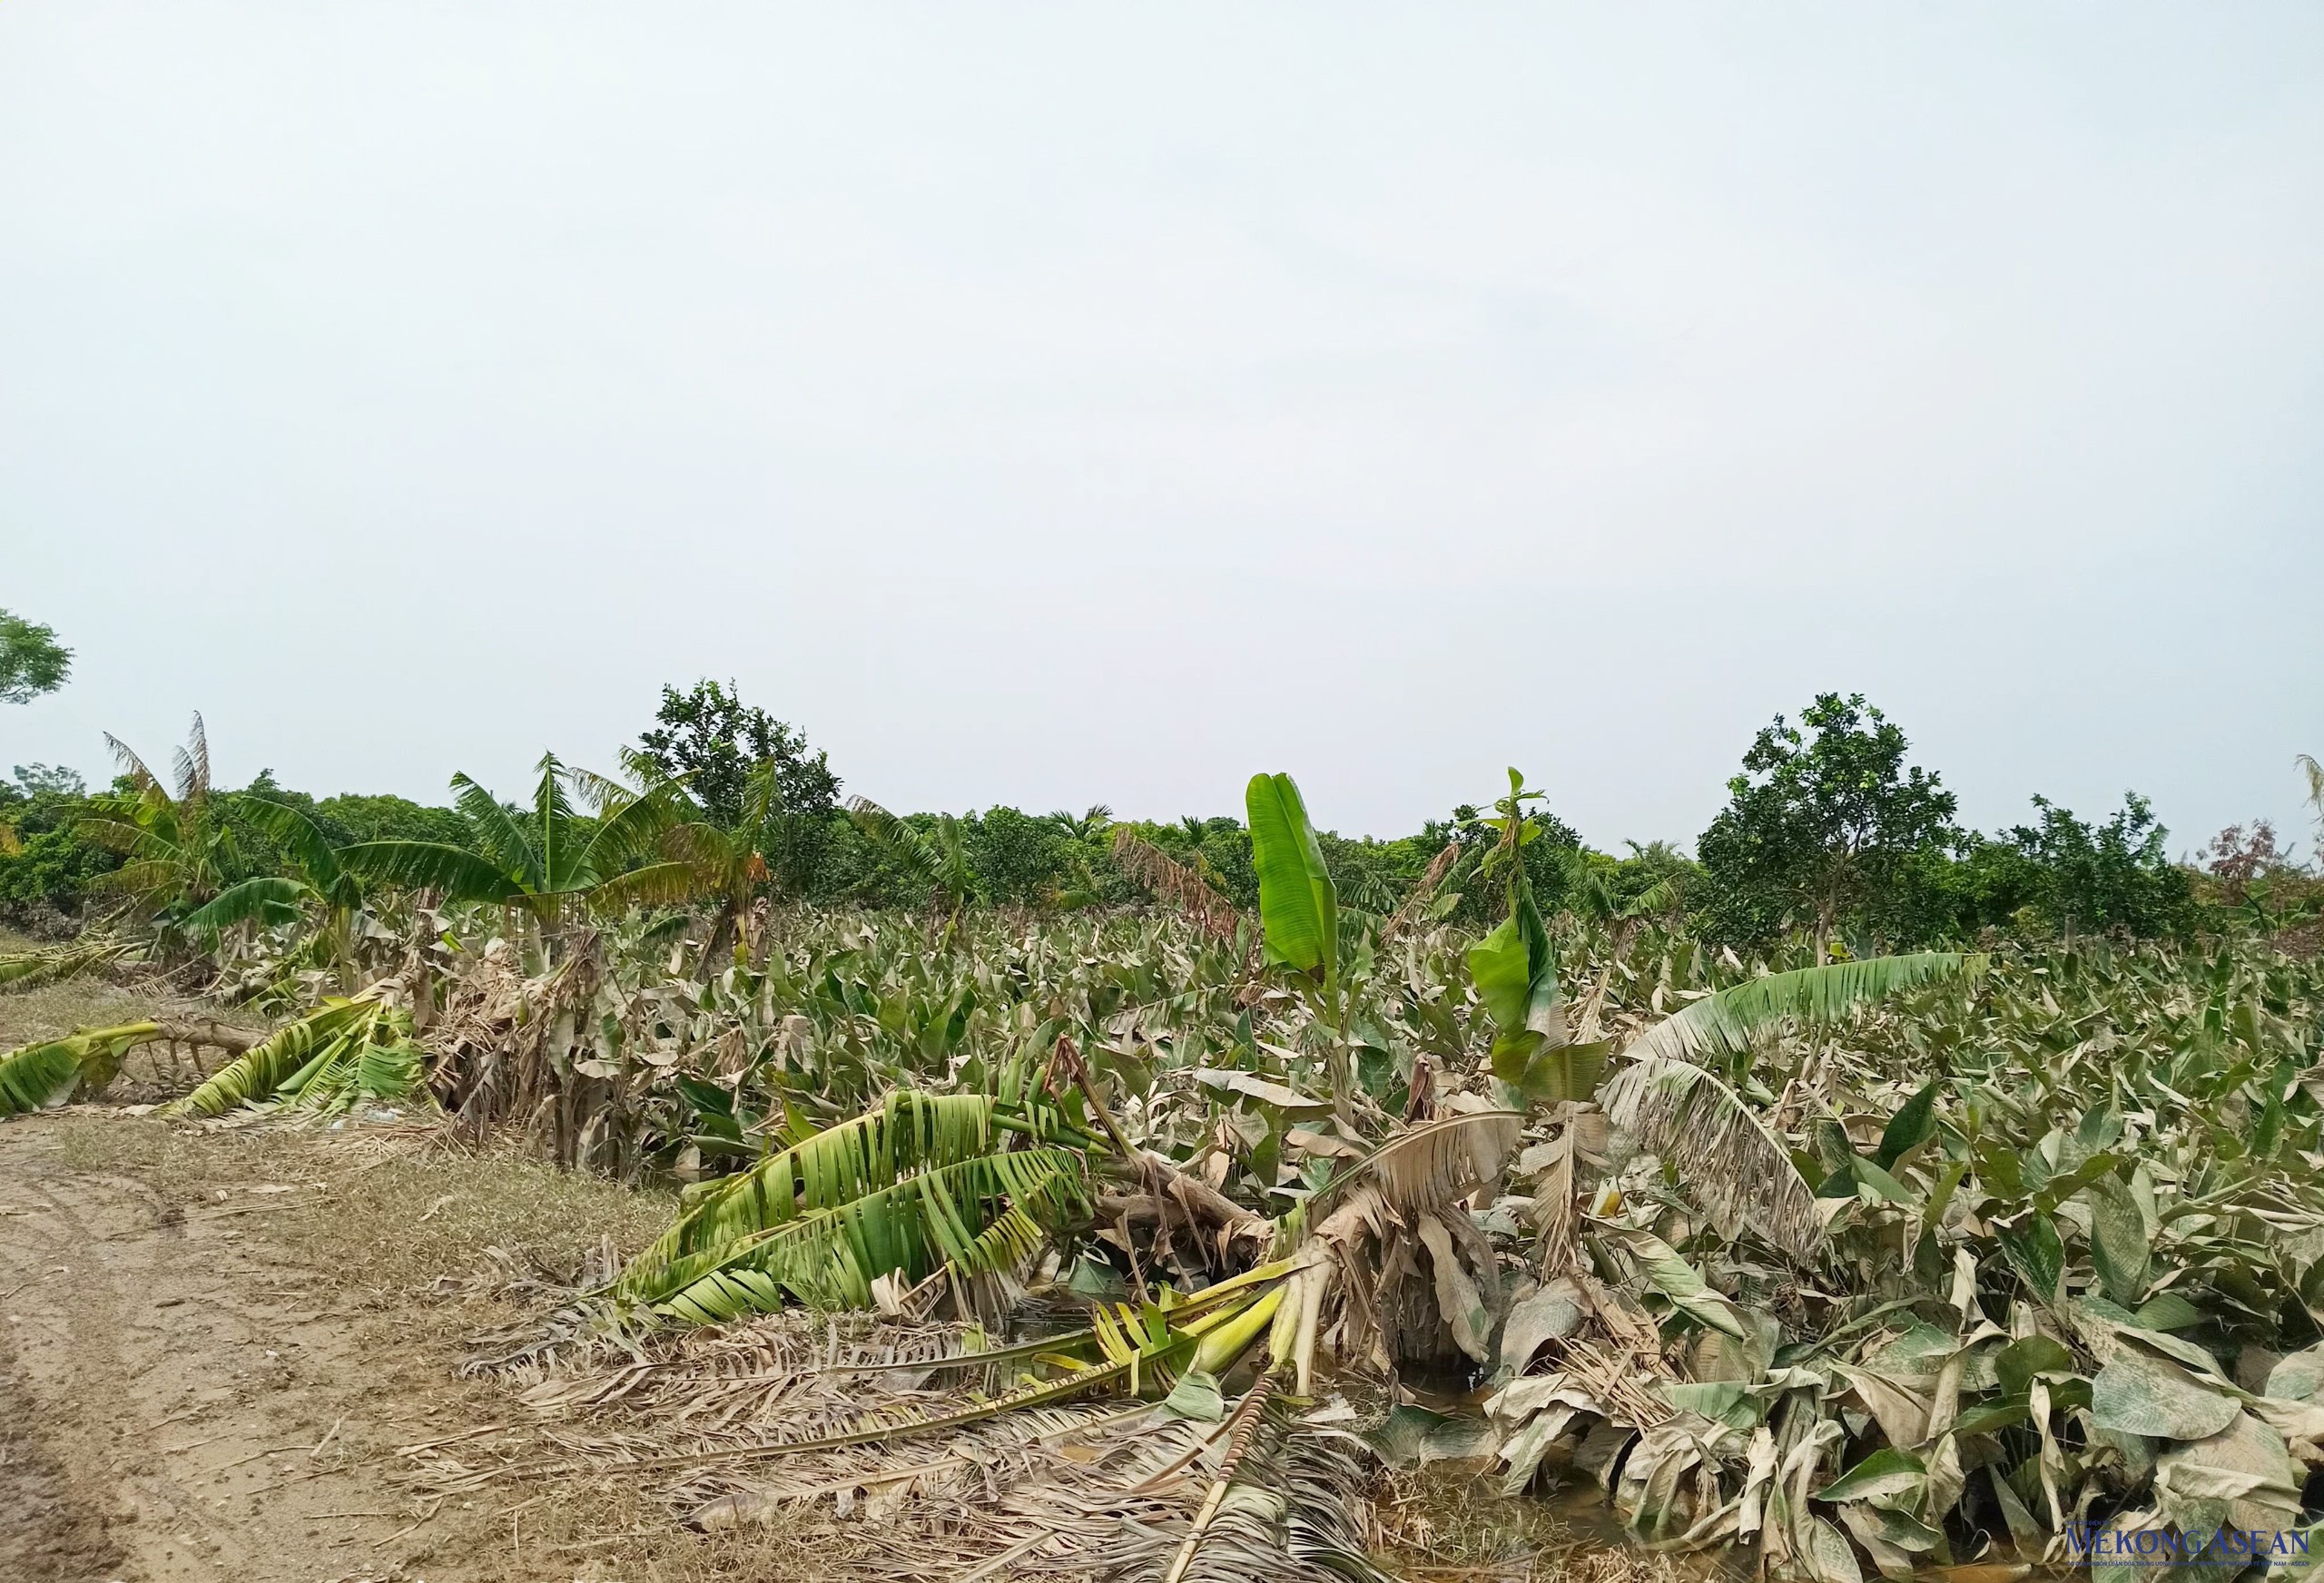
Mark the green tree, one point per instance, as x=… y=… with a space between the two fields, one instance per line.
x=31 y=662
x=2113 y=878
x=715 y=742
x=47 y=866
x=1824 y=816
x=1017 y=857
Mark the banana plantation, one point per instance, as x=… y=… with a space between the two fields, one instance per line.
x=1157 y=1237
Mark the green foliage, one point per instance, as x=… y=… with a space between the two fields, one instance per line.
x=40 y=1075
x=47 y=864
x=2114 y=877
x=1021 y=860
x=1817 y=828
x=31 y=662
x=715 y=743
x=925 y=857
x=549 y=859
x=922 y=1182
x=1298 y=906
x=335 y=1049
x=178 y=850
x=349 y=817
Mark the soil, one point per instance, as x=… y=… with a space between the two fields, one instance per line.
x=166 y=1389
x=213 y=1347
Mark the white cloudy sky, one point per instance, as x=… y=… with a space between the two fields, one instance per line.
x=1058 y=404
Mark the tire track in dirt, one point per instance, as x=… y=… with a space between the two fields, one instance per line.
x=162 y=1392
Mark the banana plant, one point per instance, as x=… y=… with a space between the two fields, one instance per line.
x=921 y=1183
x=349 y=1051
x=177 y=854
x=318 y=881
x=51 y=1071
x=1516 y=972
x=548 y=864
x=1732 y=1164
x=1299 y=916
x=936 y=859
x=44 y=1074
x=55 y=964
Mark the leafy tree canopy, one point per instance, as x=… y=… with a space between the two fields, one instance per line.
x=709 y=735
x=2109 y=878
x=1825 y=814
x=31 y=662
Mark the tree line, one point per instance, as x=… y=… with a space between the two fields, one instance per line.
x=1828 y=829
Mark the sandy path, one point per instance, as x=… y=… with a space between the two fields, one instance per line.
x=163 y=1382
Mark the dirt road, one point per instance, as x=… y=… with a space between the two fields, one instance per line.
x=182 y=1397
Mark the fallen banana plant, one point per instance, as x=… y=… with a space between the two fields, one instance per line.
x=50 y=1072
x=350 y=1052
x=924 y=1182
x=55 y=964
x=769 y=1419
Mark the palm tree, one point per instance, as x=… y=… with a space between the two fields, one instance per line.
x=548 y=862
x=1085 y=826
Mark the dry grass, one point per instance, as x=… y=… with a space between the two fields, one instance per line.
x=1450 y=1520
x=411 y=1240
x=53 y=1010
x=394 y=1210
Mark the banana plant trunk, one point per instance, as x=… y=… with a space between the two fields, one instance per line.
x=719 y=949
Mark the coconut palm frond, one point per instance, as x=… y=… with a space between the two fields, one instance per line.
x=1294 y=1513
x=1737 y=1170
x=1724 y=1023
x=1173 y=883
x=1142 y=1351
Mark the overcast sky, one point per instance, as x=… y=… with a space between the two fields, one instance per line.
x=1065 y=404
